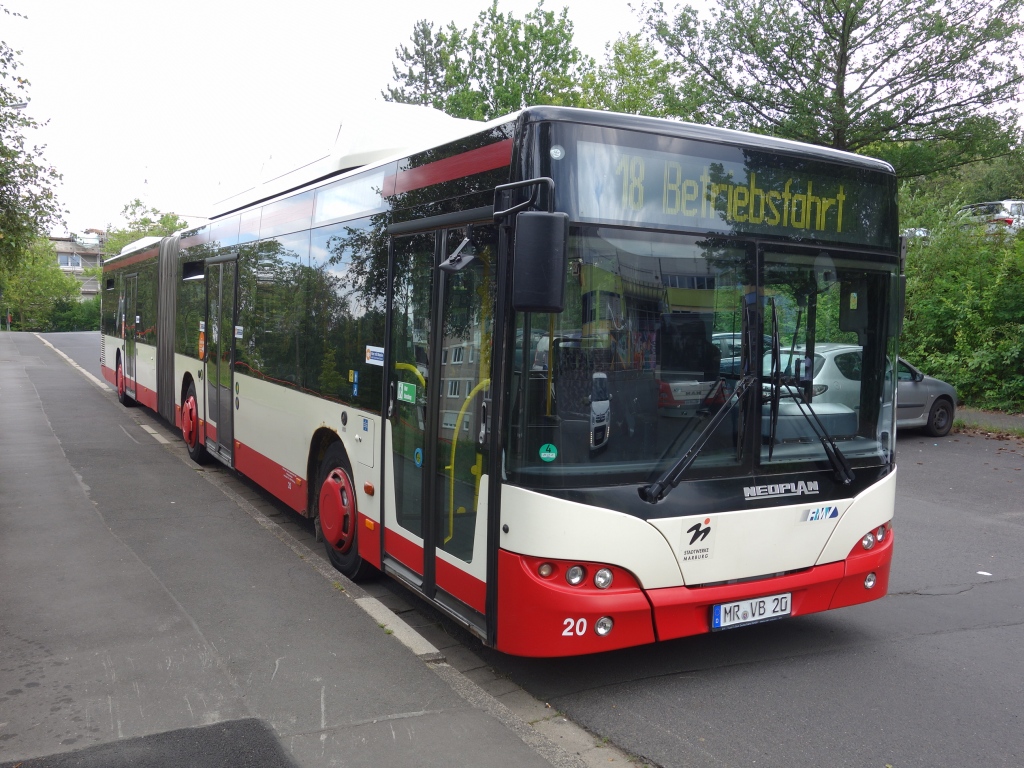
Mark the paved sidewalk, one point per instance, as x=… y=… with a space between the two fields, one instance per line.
x=993 y=421
x=146 y=599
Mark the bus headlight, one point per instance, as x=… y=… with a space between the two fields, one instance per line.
x=545 y=570
x=869 y=581
x=880 y=534
x=575 y=575
x=604 y=625
x=868 y=541
x=603 y=579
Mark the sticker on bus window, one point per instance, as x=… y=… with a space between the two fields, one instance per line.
x=417 y=456
x=375 y=355
x=406 y=392
x=548 y=452
x=238 y=331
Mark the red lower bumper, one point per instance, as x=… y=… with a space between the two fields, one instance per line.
x=547 y=617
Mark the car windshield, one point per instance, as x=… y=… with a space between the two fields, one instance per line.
x=654 y=324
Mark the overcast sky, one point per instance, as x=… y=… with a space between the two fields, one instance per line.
x=180 y=102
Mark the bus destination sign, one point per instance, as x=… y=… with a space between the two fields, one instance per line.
x=648 y=187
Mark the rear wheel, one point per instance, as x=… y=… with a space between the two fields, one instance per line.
x=337 y=516
x=940 y=420
x=190 y=427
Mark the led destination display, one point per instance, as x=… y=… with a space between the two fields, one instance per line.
x=758 y=194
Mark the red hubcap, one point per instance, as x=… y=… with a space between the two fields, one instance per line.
x=338 y=511
x=189 y=422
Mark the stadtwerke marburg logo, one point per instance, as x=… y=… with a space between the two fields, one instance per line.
x=699 y=540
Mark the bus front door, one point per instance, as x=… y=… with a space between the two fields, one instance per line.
x=220 y=355
x=439 y=410
x=131 y=321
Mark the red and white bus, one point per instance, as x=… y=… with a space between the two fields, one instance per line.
x=552 y=372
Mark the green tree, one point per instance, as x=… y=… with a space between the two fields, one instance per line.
x=28 y=203
x=37 y=286
x=424 y=76
x=926 y=84
x=635 y=79
x=498 y=66
x=141 y=222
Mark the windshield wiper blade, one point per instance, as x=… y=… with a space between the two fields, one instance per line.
x=776 y=381
x=669 y=479
x=842 y=468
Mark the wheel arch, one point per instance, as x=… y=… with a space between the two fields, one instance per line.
x=186 y=381
x=322 y=440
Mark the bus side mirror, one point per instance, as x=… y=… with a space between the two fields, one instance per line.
x=541 y=255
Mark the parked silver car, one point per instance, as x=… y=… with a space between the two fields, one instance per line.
x=921 y=400
x=998 y=216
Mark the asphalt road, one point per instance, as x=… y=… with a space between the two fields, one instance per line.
x=932 y=675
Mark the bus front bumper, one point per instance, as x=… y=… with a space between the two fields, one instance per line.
x=546 y=617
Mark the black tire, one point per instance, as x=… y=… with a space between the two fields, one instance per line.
x=122 y=395
x=940 y=420
x=190 y=430
x=339 y=525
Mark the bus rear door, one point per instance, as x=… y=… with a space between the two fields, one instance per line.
x=131 y=322
x=221 y=286
x=439 y=410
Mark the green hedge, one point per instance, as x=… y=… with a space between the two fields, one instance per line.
x=75 y=315
x=965 y=312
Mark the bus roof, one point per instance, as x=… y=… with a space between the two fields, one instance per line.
x=384 y=132
x=392 y=131
x=141 y=244
x=709 y=133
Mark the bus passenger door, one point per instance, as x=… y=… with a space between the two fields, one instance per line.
x=439 y=368
x=220 y=355
x=131 y=321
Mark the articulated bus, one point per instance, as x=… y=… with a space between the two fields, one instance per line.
x=554 y=372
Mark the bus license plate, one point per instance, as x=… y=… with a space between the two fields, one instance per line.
x=752 y=611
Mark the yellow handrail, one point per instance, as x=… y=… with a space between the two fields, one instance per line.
x=414 y=369
x=485 y=384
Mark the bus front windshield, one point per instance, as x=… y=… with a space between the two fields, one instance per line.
x=661 y=332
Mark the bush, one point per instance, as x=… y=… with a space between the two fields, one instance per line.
x=965 y=316
x=71 y=315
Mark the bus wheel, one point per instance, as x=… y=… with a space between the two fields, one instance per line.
x=337 y=515
x=122 y=394
x=190 y=427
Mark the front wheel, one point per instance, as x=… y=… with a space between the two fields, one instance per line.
x=190 y=427
x=940 y=420
x=337 y=516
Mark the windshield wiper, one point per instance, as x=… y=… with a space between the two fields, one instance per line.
x=844 y=473
x=776 y=381
x=661 y=487
x=843 y=470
